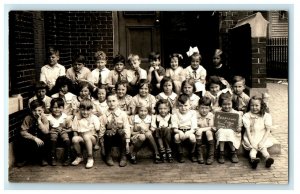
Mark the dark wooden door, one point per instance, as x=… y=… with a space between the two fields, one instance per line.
x=240 y=52
x=139 y=33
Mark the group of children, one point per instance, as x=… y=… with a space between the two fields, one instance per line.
x=122 y=107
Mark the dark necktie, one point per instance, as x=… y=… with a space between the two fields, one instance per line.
x=239 y=102
x=137 y=76
x=195 y=74
x=119 y=77
x=100 y=79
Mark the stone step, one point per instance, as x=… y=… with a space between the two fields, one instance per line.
x=146 y=152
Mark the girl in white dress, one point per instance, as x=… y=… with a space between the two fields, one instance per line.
x=258 y=125
x=230 y=135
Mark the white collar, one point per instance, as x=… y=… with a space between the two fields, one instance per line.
x=172 y=96
x=160 y=118
x=138 y=119
x=193 y=97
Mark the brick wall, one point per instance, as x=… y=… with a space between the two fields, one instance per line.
x=80 y=31
x=258 y=62
x=21 y=63
x=228 y=19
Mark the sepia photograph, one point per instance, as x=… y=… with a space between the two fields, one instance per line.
x=148 y=96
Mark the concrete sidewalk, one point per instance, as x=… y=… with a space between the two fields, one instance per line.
x=147 y=172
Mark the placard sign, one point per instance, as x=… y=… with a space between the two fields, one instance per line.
x=226 y=120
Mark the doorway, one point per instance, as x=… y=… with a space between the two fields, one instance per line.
x=182 y=29
x=167 y=32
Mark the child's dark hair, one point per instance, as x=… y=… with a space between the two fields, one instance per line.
x=84 y=84
x=62 y=81
x=178 y=56
x=100 y=55
x=162 y=101
x=164 y=80
x=189 y=81
x=238 y=78
x=205 y=101
x=79 y=58
x=108 y=94
x=214 y=80
x=121 y=83
x=225 y=96
x=86 y=104
x=36 y=103
x=153 y=56
x=263 y=106
x=40 y=85
x=183 y=98
x=143 y=82
x=96 y=91
x=119 y=58
x=53 y=51
x=59 y=101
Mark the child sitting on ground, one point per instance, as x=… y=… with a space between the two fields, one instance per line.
x=86 y=128
x=184 y=127
x=34 y=136
x=162 y=128
x=60 y=126
x=258 y=124
x=140 y=131
x=205 y=121
x=115 y=124
x=230 y=135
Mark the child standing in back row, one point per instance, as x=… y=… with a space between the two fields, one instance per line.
x=100 y=74
x=51 y=71
x=258 y=124
x=156 y=73
x=196 y=70
x=176 y=72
